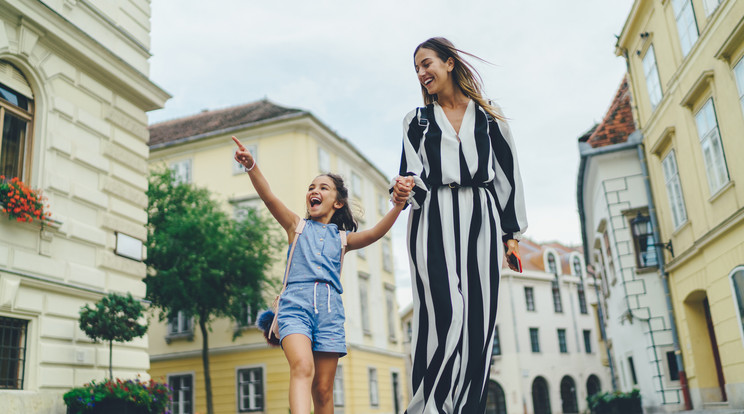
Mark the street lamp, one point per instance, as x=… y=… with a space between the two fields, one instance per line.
x=641 y=227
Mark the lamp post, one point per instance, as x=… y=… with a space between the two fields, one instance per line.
x=642 y=231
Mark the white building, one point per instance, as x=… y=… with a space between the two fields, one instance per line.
x=547 y=354
x=612 y=196
x=74 y=92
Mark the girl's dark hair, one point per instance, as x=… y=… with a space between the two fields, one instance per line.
x=343 y=217
x=465 y=76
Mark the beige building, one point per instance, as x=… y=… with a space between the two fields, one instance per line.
x=74 y=92
x=548 y=354
x=293 y=147
x=687 y=81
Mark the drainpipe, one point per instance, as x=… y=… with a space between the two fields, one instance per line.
x=664 y=279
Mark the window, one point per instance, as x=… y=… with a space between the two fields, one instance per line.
x=557 y=304
x=737 y=285
x=374 y=395
x=631 y=368
x=552 y=266
x=409 y=331
x=391 y=314
x=710 y=6
x=529 y=297
x=710 y=141
x=182 y=171
x=238 y=167
x=686 y=24
x=534 y=340
x=364 y=302
x=382 y=204
x=582 y=300
x=651 y=71
x=578 y=270
x=179 y=323
x=588 y=341
x=338 y=387
x=241 y=208
x=183 y=393
x=324 y=161
x=12 y=353
x=395 y=378
x=496 y=349
x=739 y=75
x=16 y=122
x=247 y=315
x=562 y=346
x=356 y=185
x=250 y=389
x=674 y=189
x=672 y=364
x=387 y=256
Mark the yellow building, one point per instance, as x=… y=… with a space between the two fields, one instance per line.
x=292 y=147
x=687 y=80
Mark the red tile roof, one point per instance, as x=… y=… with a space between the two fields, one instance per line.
x=218 y=120
x=617 y=124
x=532 y=255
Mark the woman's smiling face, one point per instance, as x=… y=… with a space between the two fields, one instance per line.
x=433 y=73
x=321 y=198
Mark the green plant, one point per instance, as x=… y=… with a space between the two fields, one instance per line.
x=115 y=318
x=154 y=397
x=615 y=402
x=20 y=202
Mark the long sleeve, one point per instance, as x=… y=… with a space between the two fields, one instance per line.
x=411 y=163
x=508 y=181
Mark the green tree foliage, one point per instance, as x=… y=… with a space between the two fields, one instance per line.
x=201 y=261
x=114 y=318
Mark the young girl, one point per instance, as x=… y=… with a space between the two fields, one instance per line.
x=311 y=315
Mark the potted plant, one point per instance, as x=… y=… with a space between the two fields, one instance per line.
x=121 y=397
x=20 y=202
x=616 y=402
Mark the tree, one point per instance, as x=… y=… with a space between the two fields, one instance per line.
x=201 y=261
x=114 y=318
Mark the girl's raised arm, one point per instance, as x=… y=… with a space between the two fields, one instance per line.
x=364 y=238
x=286 y=217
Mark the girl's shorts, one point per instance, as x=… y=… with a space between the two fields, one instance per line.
x=313 y=309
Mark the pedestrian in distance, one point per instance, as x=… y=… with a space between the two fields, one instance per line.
x=468 y=208
x=310 y=310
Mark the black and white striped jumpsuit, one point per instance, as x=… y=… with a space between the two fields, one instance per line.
x=468 y=195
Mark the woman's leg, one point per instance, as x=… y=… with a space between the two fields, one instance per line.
x=298 y=350
x=325 y=373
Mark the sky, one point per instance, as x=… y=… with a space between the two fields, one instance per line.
x=552 y=68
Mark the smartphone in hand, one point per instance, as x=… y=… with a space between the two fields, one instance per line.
x=515 y=261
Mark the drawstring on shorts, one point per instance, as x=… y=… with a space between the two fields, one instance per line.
x=315 y=294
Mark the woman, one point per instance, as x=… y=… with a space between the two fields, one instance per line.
x=467 y=203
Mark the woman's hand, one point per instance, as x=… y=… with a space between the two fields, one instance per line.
x=243 y=156
x=512 y=247
x=402 y=189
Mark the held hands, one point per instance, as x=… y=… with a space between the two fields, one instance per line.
x=402 y=189
x=512 y=247
x=243 y=156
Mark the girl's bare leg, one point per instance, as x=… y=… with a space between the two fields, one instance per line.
x=325 y=372
x=299 y=354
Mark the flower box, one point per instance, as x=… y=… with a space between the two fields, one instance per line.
x=120 y=397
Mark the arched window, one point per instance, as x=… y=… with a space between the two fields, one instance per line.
x=593 y=385
x=552 y=263
x=16 y=122
x=576 y=267
x=496 y=399
x=540 y=396
x=737 y=285
x=568 y=395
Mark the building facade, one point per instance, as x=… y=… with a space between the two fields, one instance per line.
x=613 y=195
x=547 y=351
x=292 y=147
x=686 y=75
x=74 y=92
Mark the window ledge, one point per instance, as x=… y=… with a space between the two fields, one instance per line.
x=721 y=191
x=646 y=270
x=189 y=336
x=681 y=227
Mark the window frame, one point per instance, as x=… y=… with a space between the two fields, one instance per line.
x=25 y=154
x=387 y=255
x=556 y=293
x=587 y=334
x=688 y=10
x=18 y=364
x=357 y=185
x=339 y=395
x=496 y=346
x=562 y=340
x=190 y=374
x=738 y=71
x=189 y=164
x=391 y=314
x=529 y=299
x=324 y=160
x=239 y=388
x=674 y=191
x=738 y=299
x=364 y=303
x=711 y=137
x=707 y=6
x=374 y=387
x=535 y=340
x=653 y=79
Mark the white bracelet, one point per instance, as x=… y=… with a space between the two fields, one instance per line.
x=249 y=169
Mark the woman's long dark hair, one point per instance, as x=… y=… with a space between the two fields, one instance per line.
x=343 y=217
x=465 y=76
